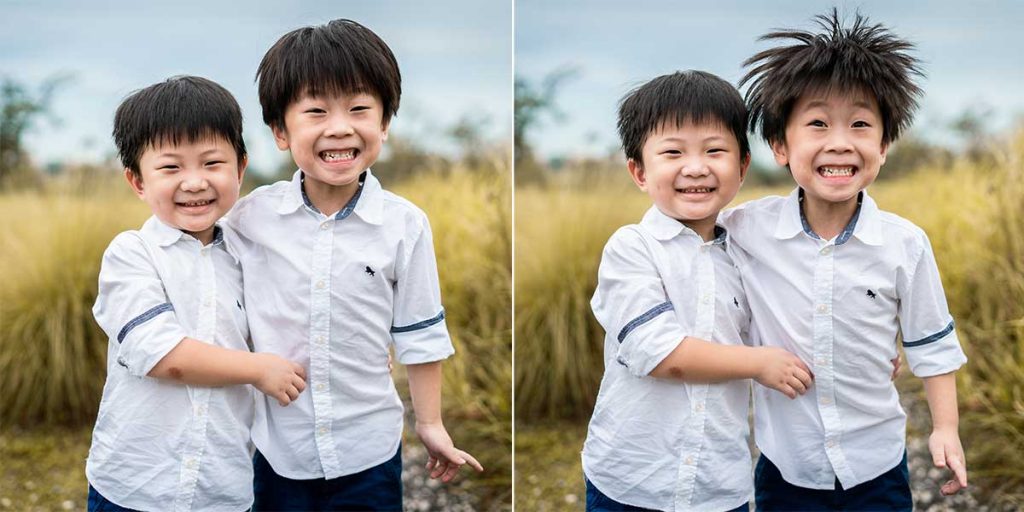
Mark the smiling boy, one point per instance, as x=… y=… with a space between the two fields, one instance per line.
x=669 y=429
x=337 y=271
x=834 y=279
x=173 y=425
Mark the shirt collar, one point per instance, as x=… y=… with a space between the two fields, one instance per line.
x=864 y=224
x=663 y=227
x=163 y=235
x=367 y=202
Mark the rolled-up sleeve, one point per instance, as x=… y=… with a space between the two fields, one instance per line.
x=631 y=304
x=132 y=306
x=929 y=333
x=418 y=330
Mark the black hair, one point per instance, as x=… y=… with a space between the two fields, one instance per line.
x=864 y=57
x=339 y=57
x=684 y=96
x=179 y=109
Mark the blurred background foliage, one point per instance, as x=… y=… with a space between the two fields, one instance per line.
x=60 y=219
x=968 y=196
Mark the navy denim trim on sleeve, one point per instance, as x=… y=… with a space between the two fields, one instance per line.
x=419 y=325
x=934 y=337
x=644 y=318
x=143 y=318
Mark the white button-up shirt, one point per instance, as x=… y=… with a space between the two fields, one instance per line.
x=159 y=445
x=658 y=443
x=333 y=294
x=839 y=305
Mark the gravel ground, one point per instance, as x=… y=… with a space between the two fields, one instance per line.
x=420 y=493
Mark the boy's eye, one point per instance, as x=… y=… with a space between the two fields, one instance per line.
x=671 y=152
x=360 y=108
x=716 y=150
x=315 y=110
x=817 y=123
x=167 y=168
x=861 y=124
x=215 y=162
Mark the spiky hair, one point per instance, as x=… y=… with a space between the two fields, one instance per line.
x=864 y=57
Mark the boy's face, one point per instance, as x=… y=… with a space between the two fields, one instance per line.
x=189 y=185
x=833 y=144
x=691 y=171
x=333 y=138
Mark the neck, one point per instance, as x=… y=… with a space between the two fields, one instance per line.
x=327 y=198
x=205 y=236
x=828 y=219
x=704 y=228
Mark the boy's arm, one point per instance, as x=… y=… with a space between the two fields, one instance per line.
x=697 y=360
x=944 y=443
x=197 y=363
x=425 y=389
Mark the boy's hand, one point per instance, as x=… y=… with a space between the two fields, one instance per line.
x=280 y=378
x=948 y=453
x=896 y=365
x=444 y=459
x=783 y=372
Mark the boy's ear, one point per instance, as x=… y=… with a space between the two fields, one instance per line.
x=744 y=167
x=636 y=171
x=781 y=153
x=280 y=136
x=134 y=181
x=384 y=130
x=242 y=165
x=885 y=151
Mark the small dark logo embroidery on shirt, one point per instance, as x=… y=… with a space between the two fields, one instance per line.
x=736 y=302
x=239 y=304
x=369 y=271
x=871 y=294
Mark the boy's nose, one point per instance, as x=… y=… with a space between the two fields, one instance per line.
x=194 y=183
x=695 y=168
x=838 y=142
x=339 y=126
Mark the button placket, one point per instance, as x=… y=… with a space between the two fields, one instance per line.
x=319 y=344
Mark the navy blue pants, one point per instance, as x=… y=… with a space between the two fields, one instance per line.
x=378 y=488
x=97 y=503
x=597 y=501
x=889 y=491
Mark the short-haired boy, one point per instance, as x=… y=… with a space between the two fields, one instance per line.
x=338 y=270
x=669 y=429
x=170 y=299
x=835 y=280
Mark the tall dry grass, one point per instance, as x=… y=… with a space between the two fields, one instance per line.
x=973 y=214
x=53 y=355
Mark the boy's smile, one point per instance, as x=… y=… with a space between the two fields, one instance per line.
x=691 y=172
x=191 y=185
x=833 y=145
x=333 y=139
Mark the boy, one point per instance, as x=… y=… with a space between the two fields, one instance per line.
x=669 y=430
x=164 y=437
x=336 y=271
x=833 y=279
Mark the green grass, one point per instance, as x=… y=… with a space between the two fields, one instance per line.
x=549 y=471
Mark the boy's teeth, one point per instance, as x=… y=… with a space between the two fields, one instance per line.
x=331 y=156
x=699 y=190
x=837 y=171
x=197 y=203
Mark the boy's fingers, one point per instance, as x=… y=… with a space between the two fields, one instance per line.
x=959 y=471
x=299 y=385
x=439 y=469
x=471 y=461
x=797 y=385
x=449 y=475
x=950 y=488
x=299 y=370
x=785 y=389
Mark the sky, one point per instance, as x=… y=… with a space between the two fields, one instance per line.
x=971 y=51
x=455 y=57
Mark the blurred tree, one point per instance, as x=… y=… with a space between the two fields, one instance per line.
x=911 y=153
x=532 y=103
x=971 y=127
x=19 y=109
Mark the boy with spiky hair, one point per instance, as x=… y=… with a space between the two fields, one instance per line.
x=337 y=271
x=835 y=280
x=669 y=429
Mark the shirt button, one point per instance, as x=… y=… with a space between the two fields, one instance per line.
x=822 y=308
x=825 y=401
x=325 y=226
x=707 y=299
x=320 y=339
x=207 y=302
x=689 y=461
x=830 y=443
x=323 y=430
x=820 y=361
x=699 y=408
x=320 y=285
x=319 y=387
x=827 y=250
